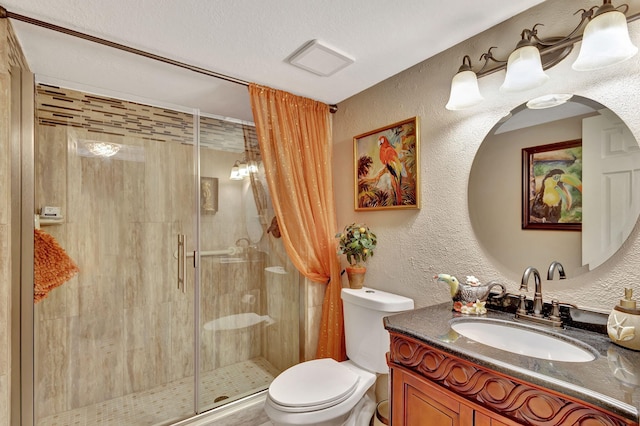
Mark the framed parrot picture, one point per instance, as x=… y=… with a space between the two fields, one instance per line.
x=552 y=186
x=386 y=169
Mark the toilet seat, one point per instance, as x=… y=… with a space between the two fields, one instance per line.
x=313 y=385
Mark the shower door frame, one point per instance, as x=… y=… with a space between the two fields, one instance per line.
x=22 y=206
x=196 y=263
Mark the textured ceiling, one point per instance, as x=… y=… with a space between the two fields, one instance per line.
x=245 y=39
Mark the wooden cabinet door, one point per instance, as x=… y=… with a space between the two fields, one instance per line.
x=416 y=402
x=421 y=409
x=481 y=419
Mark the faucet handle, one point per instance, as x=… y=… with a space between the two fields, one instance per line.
x=522 y=309
x=555 y=310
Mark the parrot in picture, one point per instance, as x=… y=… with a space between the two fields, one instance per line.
x=389 y=158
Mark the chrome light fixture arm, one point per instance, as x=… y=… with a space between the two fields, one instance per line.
x=585 y=16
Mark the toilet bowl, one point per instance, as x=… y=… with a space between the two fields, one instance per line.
x=325 y=392
x=319 y=392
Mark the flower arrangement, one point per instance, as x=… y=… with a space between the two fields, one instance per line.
x=357 y=243
x=470 y=308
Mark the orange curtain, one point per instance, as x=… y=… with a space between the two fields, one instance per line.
x=296 y=148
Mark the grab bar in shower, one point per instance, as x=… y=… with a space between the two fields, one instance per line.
x=230 y=251
x=182 y=255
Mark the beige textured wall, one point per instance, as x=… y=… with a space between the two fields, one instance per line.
x=438 y=238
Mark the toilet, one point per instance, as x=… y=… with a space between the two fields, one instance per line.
x=325 y=392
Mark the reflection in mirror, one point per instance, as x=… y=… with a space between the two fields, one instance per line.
x=610 y=201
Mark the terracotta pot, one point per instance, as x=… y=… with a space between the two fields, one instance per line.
x=356 y=276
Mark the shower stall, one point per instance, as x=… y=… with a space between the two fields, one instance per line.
x=183 y=302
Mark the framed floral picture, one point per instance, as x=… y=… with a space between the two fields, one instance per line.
x=386 y=167
x=552 y=186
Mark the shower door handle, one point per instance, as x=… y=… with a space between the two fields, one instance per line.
x=182 y=261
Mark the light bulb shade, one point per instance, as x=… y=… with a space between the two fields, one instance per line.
x=549 y=101
x=253 y=167
x=605 y=42
x=244 y=169
x=524 y=70
x=235 y=172
x=464 y=91
x=102 y=149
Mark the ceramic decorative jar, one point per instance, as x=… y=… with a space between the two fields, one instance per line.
x=469 y=297
x=469 y=293
x=623 y=325
x=471 y=290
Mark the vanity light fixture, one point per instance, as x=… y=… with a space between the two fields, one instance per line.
x=605 y=42
x=241 y=169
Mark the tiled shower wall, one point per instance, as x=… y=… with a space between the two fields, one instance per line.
x=123 y=313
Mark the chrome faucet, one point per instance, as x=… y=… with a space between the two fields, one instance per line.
x=537 y=297
x=552 y=268
x=554 y=317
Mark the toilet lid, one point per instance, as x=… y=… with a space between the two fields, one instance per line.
x=313 y=385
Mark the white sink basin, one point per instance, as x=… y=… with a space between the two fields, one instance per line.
x=520 y=339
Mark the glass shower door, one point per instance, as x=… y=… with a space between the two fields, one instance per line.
x=249 y=312
x=115 y=344
x=183 y=301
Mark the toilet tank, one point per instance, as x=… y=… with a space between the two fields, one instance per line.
x=365 y=336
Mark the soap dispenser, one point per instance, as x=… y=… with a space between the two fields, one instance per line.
x=623 y=325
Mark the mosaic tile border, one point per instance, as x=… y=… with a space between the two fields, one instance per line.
x=57 y=106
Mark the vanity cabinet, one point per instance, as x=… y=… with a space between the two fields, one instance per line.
x=418 y=402
x=430 y=387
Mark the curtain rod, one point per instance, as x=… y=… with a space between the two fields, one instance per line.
x=4 y=13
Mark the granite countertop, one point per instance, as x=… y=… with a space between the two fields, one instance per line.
x=611 y=381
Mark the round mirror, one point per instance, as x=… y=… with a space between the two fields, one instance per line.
x=555 y=183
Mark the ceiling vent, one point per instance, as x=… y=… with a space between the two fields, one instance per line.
x=319 y=59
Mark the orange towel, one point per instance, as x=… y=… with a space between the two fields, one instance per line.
x=52 y=266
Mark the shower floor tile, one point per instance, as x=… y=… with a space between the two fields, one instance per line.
x=159 y=406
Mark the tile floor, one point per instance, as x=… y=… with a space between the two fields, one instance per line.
x=160 y=405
